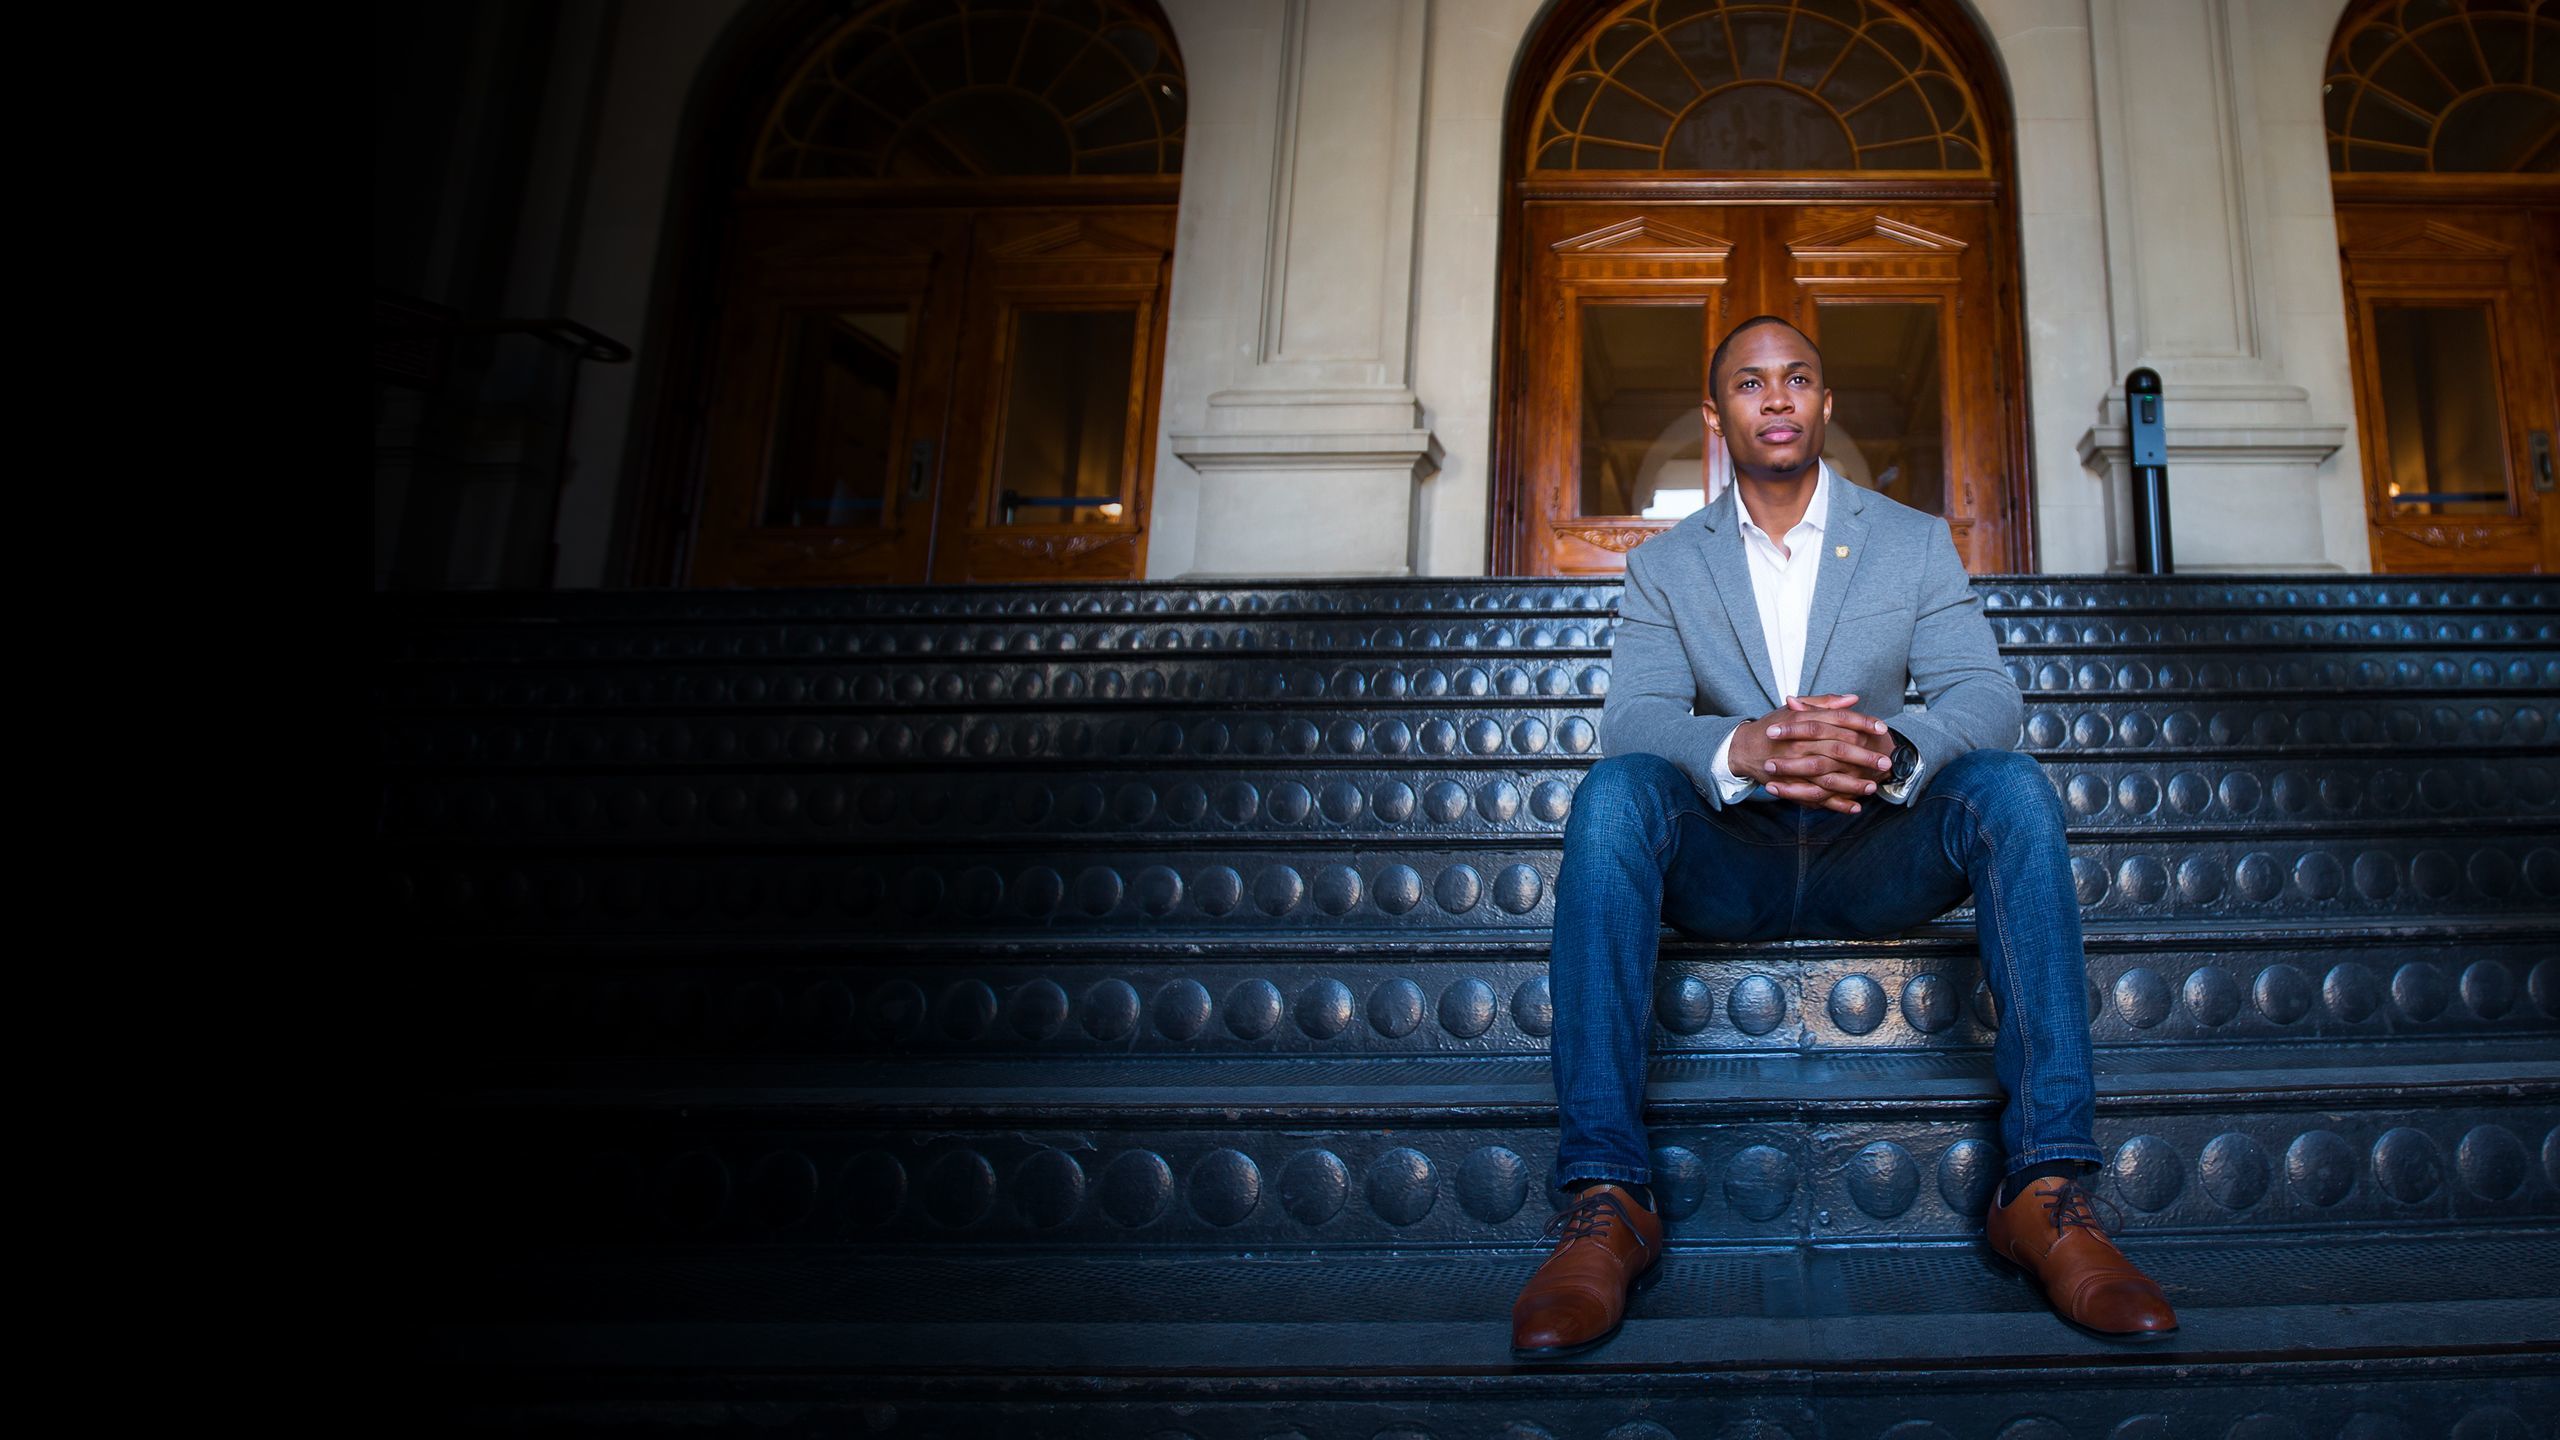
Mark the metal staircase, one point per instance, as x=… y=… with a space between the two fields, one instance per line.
x=1122 y=1011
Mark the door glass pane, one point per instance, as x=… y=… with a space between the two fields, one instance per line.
x=1888 y=398
x=1066 y=418
x=831 y=453
x=1643 y=438
x=2441 y=424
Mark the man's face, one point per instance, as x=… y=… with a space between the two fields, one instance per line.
x=1770 y=406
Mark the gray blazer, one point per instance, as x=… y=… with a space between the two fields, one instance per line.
x=1689 y=663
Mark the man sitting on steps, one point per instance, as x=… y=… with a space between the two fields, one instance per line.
x=1836 y=814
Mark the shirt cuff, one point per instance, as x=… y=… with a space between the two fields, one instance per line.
x=1729 y=786
x=1899 y=792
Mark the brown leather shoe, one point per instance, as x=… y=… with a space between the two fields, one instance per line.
x=2051 y=1232
x=1611 y=1249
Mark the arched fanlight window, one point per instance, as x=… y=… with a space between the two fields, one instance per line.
x=1721 y=85
x=2446 y=86
x=974 y=89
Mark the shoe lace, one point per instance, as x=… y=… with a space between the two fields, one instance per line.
x=2075 y=1203
x=1590 y=1216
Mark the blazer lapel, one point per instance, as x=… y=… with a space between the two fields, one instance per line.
x=1844 y=544
x=1730 y=567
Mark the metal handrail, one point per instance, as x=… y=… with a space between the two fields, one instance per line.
x=588 y=342
x=582 y=341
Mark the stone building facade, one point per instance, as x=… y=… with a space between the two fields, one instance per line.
x=1330 y=397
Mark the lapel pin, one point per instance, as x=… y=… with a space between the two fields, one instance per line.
x=1841 y=551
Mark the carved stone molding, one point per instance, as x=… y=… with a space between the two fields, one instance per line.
x=2297 y=445
x=1413 y=454
x=2223 y=424
x=1369 y=409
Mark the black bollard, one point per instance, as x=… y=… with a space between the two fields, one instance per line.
x=2143 y=407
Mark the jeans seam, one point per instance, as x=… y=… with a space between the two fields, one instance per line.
x=1605 y=1172
x=1670 y=835
x=1671 y=832
x=2038 y=1154
x=1795 y=903
x=2044 y=1154
x=2026 y=1032
x=1732 y=834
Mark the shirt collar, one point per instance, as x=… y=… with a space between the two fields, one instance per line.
x=1817 y=511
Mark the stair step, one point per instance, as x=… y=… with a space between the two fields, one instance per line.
x=2194 y=673
x=1333 y=884
x=2061 y=594
x=2476 y=1394
x=1168 y=801
x=2380 y=990
x=2518 y=924
x=673 y=1168
x=1518 y=1089
x=1391 y=634
x=1331 y=734
x=1742 y=1312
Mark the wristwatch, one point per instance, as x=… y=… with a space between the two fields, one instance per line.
x=1906 y=762
x=1905 y=767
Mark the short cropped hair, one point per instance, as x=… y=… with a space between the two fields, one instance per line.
x=1715 y=362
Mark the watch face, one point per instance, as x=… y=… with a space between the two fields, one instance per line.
x=1906 y=756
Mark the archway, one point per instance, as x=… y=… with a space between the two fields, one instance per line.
x=2444 y=162
x=1676 y=165
x=940 y=299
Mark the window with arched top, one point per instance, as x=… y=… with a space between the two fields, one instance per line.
x=1728 y=85
x=936 y=348
x=2444 y=86
x=977 y=89
x=1680 y=165
x=2443 y=127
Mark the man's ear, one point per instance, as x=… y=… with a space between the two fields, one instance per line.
x=1826 y=404
x=1717 y=425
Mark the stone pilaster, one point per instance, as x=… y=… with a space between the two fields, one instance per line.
x=2222 y=275
x=1289 y=404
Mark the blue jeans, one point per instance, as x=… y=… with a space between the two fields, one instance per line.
x=1643 y=847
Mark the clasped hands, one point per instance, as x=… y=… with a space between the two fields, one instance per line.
x=1815 y=751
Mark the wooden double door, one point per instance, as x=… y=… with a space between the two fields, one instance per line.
x=2453 y=317
x=942 y=394
x=1911 y=304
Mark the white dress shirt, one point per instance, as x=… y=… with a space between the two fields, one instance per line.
x=1782 y=583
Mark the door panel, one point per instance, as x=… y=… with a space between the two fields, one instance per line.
x=1886 y=360
x=1642 y=365
x=1051 y=474
x=1898 y=300
x=1626 y=302
x=838 y=430
x=836 y=356
x=944 y=395
x=2450 y=322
